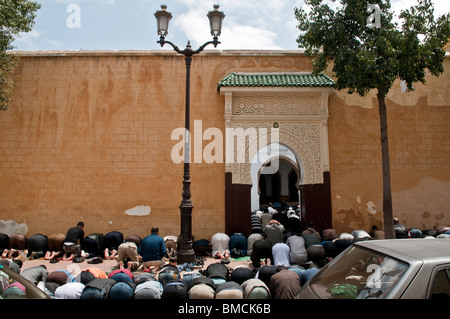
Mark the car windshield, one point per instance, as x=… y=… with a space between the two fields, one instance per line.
x=12 y=286
x=358 y=274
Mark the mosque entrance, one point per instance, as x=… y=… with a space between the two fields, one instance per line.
x=283 y=156
x=279 y=187
x=276 y=177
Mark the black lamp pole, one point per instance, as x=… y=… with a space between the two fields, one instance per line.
x=185 y=252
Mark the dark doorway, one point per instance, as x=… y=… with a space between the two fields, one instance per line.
x=293 y=190
x=280 y=186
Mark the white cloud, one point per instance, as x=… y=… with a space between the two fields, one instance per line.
x=194 y=24
x=248 y=38
x=247 y=24
x=440 y=6
x=28 y=39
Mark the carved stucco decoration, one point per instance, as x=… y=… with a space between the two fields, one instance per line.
x=276 y=105
x=302 y=122
x=303 y=138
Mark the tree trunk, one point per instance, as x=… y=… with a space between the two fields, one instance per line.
x=388 y=217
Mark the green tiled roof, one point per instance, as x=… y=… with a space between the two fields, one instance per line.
x=276 y=80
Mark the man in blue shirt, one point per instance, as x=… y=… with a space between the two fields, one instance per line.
x=152 y=250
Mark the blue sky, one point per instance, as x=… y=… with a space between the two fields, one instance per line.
x=131 y=25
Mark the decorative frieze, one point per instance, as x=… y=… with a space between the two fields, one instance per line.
x=300 y=115
x=276 y=105
x=303 y=138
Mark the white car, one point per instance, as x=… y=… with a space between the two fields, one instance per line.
x=385 y=269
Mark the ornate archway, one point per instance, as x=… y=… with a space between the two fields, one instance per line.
x=292 y=110
x=259 y=170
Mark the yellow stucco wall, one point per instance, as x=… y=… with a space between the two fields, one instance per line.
x=88 y=137
x=419 y=143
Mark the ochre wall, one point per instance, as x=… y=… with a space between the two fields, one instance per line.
x=88 y=137
x=419 y=142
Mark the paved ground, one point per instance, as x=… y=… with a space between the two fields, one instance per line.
x=108 y=265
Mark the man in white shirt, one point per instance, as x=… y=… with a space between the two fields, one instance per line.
x=220 y=246
x=280 y=253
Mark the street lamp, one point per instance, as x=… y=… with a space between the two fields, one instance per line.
x=185 y=252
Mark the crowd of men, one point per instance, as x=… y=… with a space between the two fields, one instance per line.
x=281 y=257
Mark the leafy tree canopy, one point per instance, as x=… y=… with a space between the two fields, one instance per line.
x=370 y=51
x=368 y=56
x=16 y=16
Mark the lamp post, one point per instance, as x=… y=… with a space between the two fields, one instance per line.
x=185 y=252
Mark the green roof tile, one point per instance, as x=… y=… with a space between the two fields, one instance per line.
x=275 y=80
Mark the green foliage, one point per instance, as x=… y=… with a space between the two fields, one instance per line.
x=7 y=83
x=16 y=16
x=367 y=57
